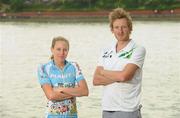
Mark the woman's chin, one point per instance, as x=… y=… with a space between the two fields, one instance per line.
x=60 y=59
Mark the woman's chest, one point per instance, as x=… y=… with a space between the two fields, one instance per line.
x=63 y=78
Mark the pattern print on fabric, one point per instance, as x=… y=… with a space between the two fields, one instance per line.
x=127 y=54
x=63 y=107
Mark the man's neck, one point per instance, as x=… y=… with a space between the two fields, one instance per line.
x=121 y=44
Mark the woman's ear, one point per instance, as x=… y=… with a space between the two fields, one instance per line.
x=52 y=50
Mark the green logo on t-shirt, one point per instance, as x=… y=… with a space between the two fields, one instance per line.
x=126 y=54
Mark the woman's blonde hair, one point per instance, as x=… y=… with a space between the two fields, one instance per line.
x=120 y=13
x=59 y=38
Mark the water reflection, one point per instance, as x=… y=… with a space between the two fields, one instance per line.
x=25 y=45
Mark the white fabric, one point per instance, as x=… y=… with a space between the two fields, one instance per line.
x=122 y=96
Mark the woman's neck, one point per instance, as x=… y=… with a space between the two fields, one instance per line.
x=59 y=64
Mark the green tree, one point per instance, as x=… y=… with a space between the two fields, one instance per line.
x=5 y=1
x=106 y=4
x=17 y=5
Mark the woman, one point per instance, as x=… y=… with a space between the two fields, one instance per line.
x=61 y=81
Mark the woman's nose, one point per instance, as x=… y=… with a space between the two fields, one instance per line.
x=61 y=52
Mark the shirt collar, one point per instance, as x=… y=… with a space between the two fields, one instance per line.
x=54 y=66
x=127 y=48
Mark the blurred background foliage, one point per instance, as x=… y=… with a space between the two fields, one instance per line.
x=85 y=5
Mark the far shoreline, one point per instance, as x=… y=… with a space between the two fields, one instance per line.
x=89 y=16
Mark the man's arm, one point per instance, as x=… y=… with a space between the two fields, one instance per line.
x=99 y=79
x=52 y=94
x=121 y=76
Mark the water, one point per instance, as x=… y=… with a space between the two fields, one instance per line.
x=25 y=45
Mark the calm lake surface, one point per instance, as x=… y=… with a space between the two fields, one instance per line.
x=25 y=45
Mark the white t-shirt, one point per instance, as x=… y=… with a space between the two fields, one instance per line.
x=122 y=96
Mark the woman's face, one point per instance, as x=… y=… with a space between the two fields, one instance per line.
x=120 y=29
x=60 y=51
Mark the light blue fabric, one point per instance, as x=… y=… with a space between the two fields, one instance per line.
x=58 y=116
x=67 y=77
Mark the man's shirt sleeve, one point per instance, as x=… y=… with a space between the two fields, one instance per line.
x=138 y=56
x=100 y=59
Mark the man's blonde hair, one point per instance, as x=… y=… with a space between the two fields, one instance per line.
x=120 y=13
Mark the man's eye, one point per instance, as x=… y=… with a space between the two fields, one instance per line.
x=124 y=27
x=64 y=49
x=59 y=49
x=116 y=27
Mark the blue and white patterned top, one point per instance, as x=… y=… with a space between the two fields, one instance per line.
x=67 y=77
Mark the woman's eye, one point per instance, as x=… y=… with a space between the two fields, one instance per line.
x=59 y=49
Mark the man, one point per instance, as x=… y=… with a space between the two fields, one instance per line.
x=119 y=70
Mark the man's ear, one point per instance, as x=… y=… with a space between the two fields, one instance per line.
x=112 y=30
